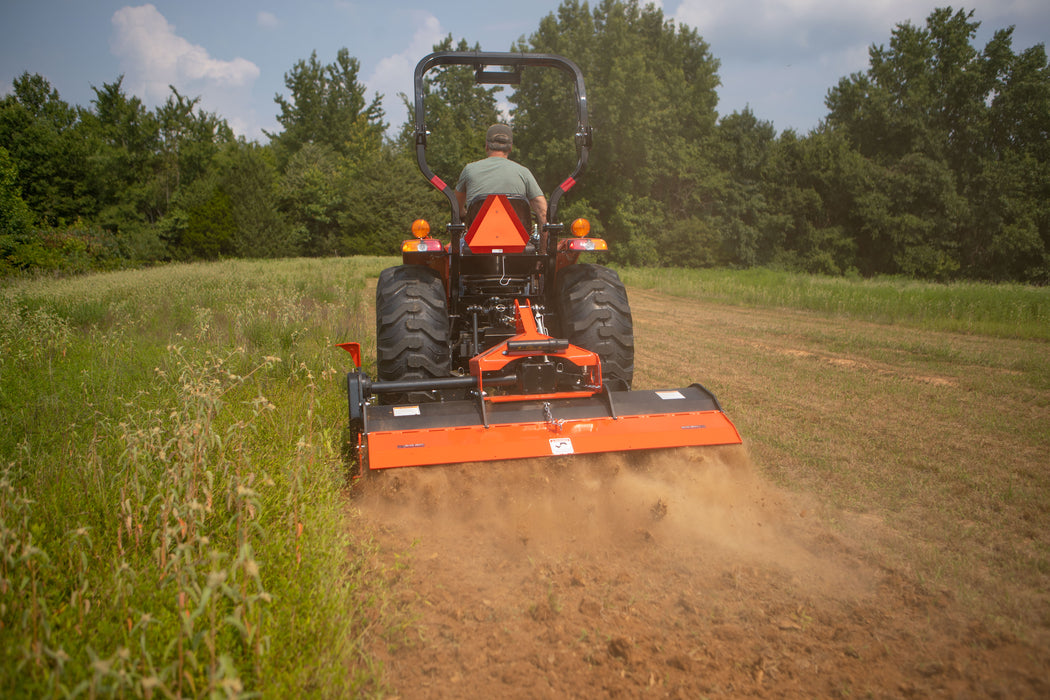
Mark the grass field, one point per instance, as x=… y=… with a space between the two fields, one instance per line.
x=173 y=493
x=1009 y=311
x=172 y=488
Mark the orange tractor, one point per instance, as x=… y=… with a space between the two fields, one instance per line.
x=490 y=347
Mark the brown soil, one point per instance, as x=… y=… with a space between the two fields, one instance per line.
x=673 y=575
x=681 y=574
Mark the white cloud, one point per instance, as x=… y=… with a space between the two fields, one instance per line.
x=776 y=55
x=753 y=29
x=393 y=74
x=152 y=57
x=798 y=27
x=781 y=56
x=267 y=20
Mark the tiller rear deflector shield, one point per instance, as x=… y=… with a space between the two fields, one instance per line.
x=464 y=431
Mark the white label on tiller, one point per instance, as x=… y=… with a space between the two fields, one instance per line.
x=561 y=446
x=400 y=411
x=668 y=395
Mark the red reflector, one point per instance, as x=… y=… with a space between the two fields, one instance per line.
x=438 y=183
x=567 y=185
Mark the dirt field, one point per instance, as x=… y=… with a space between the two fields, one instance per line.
x=682 y=574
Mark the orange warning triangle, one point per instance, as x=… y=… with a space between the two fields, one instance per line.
x=496 y=228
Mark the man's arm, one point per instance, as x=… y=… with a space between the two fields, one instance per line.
x=461 y=197
x=539 y=208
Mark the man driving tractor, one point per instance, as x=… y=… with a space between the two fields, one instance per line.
x=497 y=173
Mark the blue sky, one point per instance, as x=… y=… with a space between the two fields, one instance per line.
x=777 y=56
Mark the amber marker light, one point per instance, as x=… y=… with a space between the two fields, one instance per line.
x=420 y=228
x=581 y=227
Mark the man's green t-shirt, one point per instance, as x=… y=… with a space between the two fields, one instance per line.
x=496 y=175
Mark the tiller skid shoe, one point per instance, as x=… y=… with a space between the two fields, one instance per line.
x=529 y=396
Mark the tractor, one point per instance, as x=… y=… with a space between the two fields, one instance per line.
x=500 y=344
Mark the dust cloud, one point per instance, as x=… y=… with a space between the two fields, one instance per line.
x=691 y=504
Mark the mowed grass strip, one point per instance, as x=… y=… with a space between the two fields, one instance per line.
x=1000 y=310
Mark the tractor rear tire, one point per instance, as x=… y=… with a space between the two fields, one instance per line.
x=412 y=329
x=594 y=314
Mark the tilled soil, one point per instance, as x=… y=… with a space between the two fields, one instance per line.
x=678 y=574
x=682 y=573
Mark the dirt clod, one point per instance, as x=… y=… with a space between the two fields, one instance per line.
x=620 y=648
x=590 y=608
x=658 y=510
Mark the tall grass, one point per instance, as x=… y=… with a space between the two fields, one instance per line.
x=1004 y=310
x=172 y=515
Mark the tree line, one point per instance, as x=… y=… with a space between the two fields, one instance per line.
x=932 y=163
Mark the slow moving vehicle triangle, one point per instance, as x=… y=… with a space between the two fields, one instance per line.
x=497 y=228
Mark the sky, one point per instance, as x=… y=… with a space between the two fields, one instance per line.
x=778 y=57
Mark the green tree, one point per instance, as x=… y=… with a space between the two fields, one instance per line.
x=189 y=178
x=313 y=193
x=1015 y=179
x=818 y=187
x=327 y=107
x=330 y=154
x=734 y=189
x=248 y=172
x=124 y=138
x=16 y=219
x=40 y=132
x=950 y=126
x=211 y=229
x=651 y=97
x=394 y=195
x=458 y=111
x=188 y=141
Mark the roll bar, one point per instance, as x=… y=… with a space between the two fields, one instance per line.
x=485 y=64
